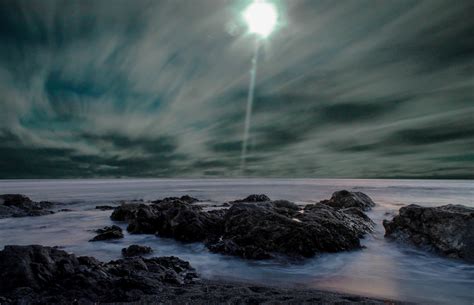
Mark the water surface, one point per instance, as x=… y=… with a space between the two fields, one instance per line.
x=382 y=269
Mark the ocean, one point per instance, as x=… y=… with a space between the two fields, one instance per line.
x=381 y=269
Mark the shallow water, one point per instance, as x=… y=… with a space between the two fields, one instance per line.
x=382 y=269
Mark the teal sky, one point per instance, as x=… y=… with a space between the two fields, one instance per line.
x=354 y=89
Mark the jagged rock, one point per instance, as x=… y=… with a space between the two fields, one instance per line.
x=177 y=219
x=448 y=230
x=17 y=205
x=125 y=211
x=259 y=231
x=136 y=250
x=106 y=233
x=345 y=199
x=45 y=275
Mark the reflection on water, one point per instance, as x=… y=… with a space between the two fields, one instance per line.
x=381 y=269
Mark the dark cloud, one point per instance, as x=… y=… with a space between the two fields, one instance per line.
x=159 y=88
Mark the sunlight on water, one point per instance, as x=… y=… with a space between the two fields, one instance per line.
x=382 y=269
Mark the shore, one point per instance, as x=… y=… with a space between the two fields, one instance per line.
x=222 y=292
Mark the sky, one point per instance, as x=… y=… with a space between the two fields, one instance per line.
x=344 y=89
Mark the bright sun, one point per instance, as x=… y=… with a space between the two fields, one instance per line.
x=261 y=18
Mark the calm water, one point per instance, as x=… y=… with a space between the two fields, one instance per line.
x=382 y=269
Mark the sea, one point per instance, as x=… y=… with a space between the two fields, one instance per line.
x=383 y=268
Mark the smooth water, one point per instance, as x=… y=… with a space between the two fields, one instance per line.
x=382 y=269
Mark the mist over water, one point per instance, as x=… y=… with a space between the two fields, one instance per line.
x=382 y=269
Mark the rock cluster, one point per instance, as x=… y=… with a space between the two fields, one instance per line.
x=448 y=230
x=44 y=275
x=16 y=205
x=106 y=233
x=254 y=227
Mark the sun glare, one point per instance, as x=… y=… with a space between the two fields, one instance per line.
x=261 y=18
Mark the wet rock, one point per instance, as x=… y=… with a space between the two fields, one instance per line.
x=182 y=221
x=263 y=230
x=17 y=205
x=447 y=230
x=45 y=275
x=105 y=207
x=125 y=211
x=136 y=250
x=345 y=199
x=106 y=233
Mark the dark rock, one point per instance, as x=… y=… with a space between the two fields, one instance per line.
x=125 y=211
x=253 y=198
x=104 y=207
x=106 y=233
x=16 y=205
x=345 y=199
x=175 y=219
x=44 y=275
x=185 y=199
x=448 y=230
x=258 y=231
x=136 y=250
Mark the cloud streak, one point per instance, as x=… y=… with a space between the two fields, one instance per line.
x=158 y=88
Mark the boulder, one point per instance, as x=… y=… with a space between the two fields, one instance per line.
x=106 y=233
x=345 y=199
x=17 y=205
x=263 y=230
x=125 y=211
x=136 y=250
x=447 y=230
x=45 y=275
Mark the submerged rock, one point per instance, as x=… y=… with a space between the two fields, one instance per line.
x=259 y=231
x=136 y=250
x=345 y=199
x=448 y=230
x=17 y=205
x=45 y=275
x=253 y=198
x=104 y=207
x=106 y=233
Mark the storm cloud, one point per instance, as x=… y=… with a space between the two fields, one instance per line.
x=360 y=89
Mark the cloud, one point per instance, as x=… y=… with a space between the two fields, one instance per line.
x=158 y=88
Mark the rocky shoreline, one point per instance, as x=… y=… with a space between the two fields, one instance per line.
x=46 y=275
x=255 y=228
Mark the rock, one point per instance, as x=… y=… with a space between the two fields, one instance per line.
x=45 y=275
x=185 y=199
x=259 y=231
x=447 y=230
x=106 y=233
x=182 y=221
x=136 y=250
x=345 y=199
x=253 y=198
x=16 y=205
x=125 y=211
x=104 y=207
